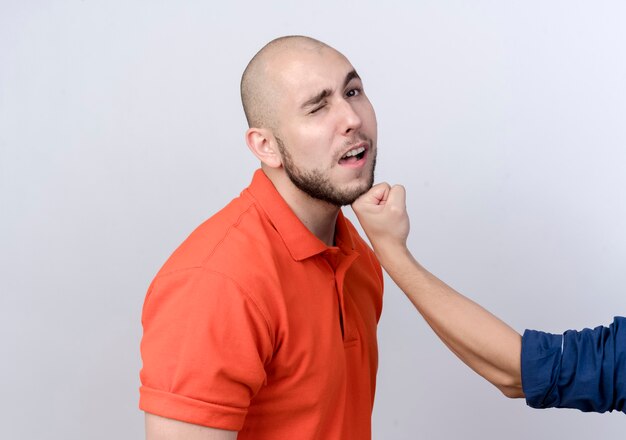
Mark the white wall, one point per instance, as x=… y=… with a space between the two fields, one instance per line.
x=121 y=130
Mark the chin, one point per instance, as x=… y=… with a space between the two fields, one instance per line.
x=355 y=191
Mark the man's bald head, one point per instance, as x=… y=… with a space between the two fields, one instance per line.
x=259 y=84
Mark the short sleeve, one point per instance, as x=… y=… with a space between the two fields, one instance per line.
x=584 y=369
x=204 y=349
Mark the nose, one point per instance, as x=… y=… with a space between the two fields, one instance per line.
x=350 y=120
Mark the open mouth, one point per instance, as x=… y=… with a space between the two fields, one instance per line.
x=353 y=156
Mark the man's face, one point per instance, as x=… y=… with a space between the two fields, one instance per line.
x=326 y=127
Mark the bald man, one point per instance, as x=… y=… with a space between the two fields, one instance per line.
x=262 y=324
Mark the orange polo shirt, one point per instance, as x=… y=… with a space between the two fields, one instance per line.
x=255 y=325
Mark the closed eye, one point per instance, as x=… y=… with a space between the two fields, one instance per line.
x=316 y=109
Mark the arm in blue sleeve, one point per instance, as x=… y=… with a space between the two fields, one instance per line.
x=584 y=369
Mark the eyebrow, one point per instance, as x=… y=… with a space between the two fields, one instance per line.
x=327 y=92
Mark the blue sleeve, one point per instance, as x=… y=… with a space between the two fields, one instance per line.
x=584 y=369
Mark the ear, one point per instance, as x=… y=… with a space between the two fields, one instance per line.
x=263 y=145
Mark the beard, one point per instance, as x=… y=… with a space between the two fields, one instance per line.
x=318 y=186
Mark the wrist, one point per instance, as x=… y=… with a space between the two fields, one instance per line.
x=391 y=252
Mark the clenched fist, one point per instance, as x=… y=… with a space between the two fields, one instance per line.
x=382 y=214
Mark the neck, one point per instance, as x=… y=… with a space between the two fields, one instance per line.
x=318 y=216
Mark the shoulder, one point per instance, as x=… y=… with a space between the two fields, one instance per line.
x=231 y=253
x=227 y=235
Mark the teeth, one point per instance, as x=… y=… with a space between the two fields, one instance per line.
x=354 y=152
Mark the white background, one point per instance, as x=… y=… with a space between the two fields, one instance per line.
x=121 y=130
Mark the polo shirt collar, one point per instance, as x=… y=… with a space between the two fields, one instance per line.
x=300 y=242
